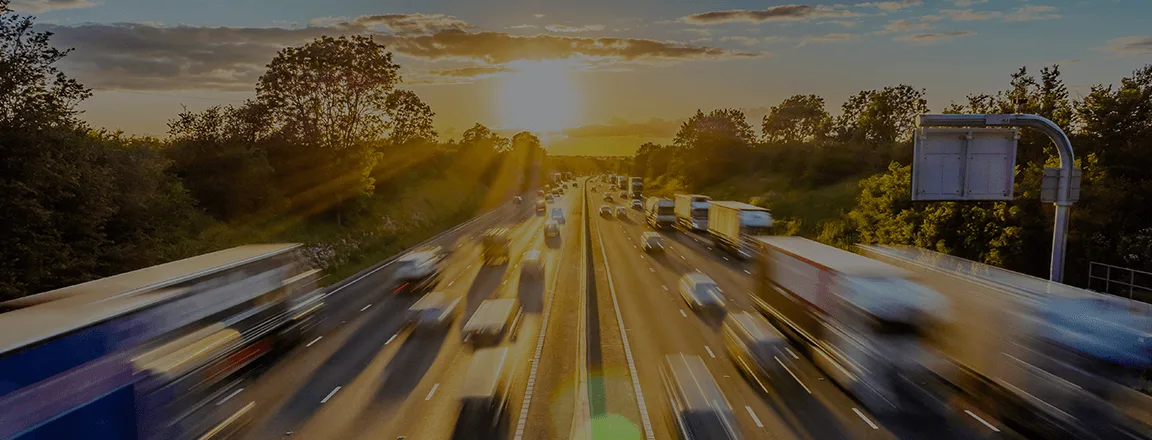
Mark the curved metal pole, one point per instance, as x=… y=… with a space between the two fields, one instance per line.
x=1067 y=161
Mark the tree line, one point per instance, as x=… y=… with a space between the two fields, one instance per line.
x=329 y=151
x=870 y=141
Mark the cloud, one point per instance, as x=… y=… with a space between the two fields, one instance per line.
x=827 y=38
x=1033 y=12
x=653 y=128
x=38 y=6
x=934 y=37
x=471 y=72
x=903 y=25
x=969 y=15
x=135 y=56
x=538 y=15
x=891 y=5
x=748 y=41
x=964 y=3
x=566 y=28
x=1134 y=45
x=523 y=26
x=775 y=13
x=404 y=23
x=697 y=31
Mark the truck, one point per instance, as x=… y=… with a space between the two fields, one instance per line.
x=636 y=184
x=567 y=176
x=733 y=224
x=659 y=212
x=612 y=179
x=622 y=183
x=692 y=211
x=864 y=323
x=1052 y=360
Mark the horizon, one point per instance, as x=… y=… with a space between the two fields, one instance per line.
x=626 y=73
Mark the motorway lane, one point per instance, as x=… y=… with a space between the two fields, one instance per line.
x=301 y=384
x=658 y=323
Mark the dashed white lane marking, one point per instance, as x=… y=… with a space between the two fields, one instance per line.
x=469 y=267
x=651 y=269
x=451 y=283
x=318 y=338
x=754 y=418
x=709 y=248
x=389 y=341
x=790 y=373
x=698 y=271
x=682 y=257
x=747 y=272
x=683 y=314
x=433 y=391
x=329 y=396
x=665 y=287
x=989 y=425
x=366 y=307
x=234 y=393
x=789 y=350
x=873 y=425
x=709 y=350
x=726 y=259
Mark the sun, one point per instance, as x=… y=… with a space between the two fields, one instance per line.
x=539 y=96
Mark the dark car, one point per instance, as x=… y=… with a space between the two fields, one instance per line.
x=699 y=408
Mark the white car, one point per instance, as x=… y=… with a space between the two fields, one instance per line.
x=621 y=212
x=551 y=228
x=700 y=292
x=606 y=210
x=532 y=264
x=652 y=242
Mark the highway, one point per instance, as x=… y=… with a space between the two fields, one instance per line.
x=586 y=355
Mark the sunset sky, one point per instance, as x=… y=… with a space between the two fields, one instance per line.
x=591 y=76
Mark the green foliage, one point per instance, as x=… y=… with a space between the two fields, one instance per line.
x=411 y=118
x=800 y=118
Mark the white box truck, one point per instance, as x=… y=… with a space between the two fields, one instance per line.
x=692 y=211
x=861 y=321
x=1051 y=360
x=733 y=224
x=659 y=212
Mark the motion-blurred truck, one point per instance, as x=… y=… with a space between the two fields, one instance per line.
x=692 y=211
x=863 y=322
x=659 y=213
x=636 y=185
x=733 y=225
x=494 y=244
x=1051 y=360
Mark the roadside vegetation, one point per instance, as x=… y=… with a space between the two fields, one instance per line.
x=330 y=152
x=846 y=179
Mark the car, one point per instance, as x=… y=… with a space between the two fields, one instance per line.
x=540 y=194
x=607 y=197
x=435 y=311
x=752 y=343
x=541 y=206
x=532 y=265
x=558 y=215
x=551 y=228
x=652 y=242
x=637 y=204
x=418 y=272
x=517 y=200
x=621 y=212
x=623 y=194
x=565 y=186
x=701 y=293
x=698 y=405
x=549 y=199
x=605 y=210
x=612 y=187
x=574 y=184
x=484 y=395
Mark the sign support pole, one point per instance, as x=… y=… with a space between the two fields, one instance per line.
x=1067 y=160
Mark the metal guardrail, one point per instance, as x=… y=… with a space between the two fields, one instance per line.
x=1120 y=281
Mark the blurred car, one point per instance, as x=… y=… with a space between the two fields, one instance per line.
x=436 y=310
x=699 y=407
x=637 y=204
x=540 y=194
x=558 y=215
x=607 y=197
x=532 y=264
x=565 y=186
x=623 y=194
x=752 y=344
x=574 y=184
x=652 y=242
x=612 y=187
x=551 y=229
x=700 y=292
x=549 y=199
x=484 y=395
x=494 y=245
x=418 y=271
x=517 y=200
x=605 y=210
x=493 y=319
x=541 y=206
x=621 y=212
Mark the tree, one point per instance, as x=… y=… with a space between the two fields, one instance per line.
x=328 y=100
x=34 y=94
x=411 y=118
x=714 y=145
x=881 y=117
x=800 y=118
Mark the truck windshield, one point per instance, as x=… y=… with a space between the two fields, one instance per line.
x=665 y=210
x=700 y=213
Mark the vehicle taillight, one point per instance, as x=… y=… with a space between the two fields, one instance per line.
x=398 y=289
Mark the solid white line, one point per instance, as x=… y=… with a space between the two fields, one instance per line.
x=793 y=375
x=366 y=307
x=873 y=425
x=329 y=396
x=318 y=338
x=747 y=272
x=647 y=423
x=682 y=313
x=710 y=353
x=989 y=425
x=433 y=391
x=234 y=393
x=754 y=418
x=791 y=353
x=389 y=341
